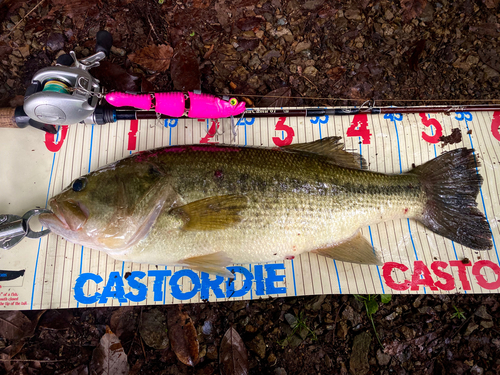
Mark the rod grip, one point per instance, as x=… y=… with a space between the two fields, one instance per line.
x=8 y=118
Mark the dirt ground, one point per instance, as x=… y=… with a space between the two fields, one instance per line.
x=270 y=52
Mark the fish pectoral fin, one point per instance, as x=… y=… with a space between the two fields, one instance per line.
x=357 y=249
x=212 y=213
x=333 y=150
x=215 y=264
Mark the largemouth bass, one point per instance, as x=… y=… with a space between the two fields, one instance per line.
x=207 y=207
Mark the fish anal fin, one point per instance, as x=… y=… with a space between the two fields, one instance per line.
x=333 y=150
x=357 y=249
x=214 y=264
x=214 y=213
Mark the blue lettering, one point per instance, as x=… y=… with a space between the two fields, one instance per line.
x=207 y=284
x=259 y=280
x=80 y=282
x=247 y=282
x=159 y=276
x=176 y=288
x=272 y=278
x=114 y=281
x=142 y=289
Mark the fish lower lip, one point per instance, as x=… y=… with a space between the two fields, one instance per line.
x=58 y=214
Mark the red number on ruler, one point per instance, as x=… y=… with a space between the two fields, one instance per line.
x=212 y=131
x=359 y=128
x=428 y=122
x=280 y=126
x=132 y=140
x=50 y=141
x=495 y=124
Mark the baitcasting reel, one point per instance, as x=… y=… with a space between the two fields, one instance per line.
x=66 y=93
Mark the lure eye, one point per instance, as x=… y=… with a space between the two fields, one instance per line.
x=233 y=101
x=79 y=184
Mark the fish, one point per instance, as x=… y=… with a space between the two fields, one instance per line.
x=210 y=206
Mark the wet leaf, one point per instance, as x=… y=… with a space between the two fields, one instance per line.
x=56 y=319
x=153 y=329
x=249 y=23
x=109 y=358
x=185 y=71
x=277 y=98
x=13 y=325
x=415 y=56
x=371 y=306
x=183 y=336
x=123 y=323
x=233 y=358
x=155 y=58
x=412 y=9
x=115 y=78
x=386 y=298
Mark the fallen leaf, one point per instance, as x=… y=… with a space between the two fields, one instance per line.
x=249 y=23
x=491 y=4
x=109 y=358
x=153 y=329
x=412 y=9
x=277 y=98
x=201 y=3
x=155 y=58
x=13 y=325
x=233 y=357
x=185 y=71
x=183 y=336
x=415 y=56
x=57 y=319
x=123 y=323
x=115 y=78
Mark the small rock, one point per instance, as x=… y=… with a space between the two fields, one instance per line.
x=476 y=370
x=207 y=328
x=486 y=324
x=212 y=352
x=238 y=305
x=271 y=359
x=55 y=42
x=153 y=329
x=382 y=358
x=471 y=328
x=258 y=346
x=302 y=46
x=408 y=332
x=352 y=14
x=250 y=328
x=351 y=315
x=311 y=71
x=316 y=303
x=279 y=371
x=118 y=51
x=391 y=316
x=359 y=365
x=418 y=302
x=482 y=313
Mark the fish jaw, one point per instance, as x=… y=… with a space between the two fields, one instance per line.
x=67 y=219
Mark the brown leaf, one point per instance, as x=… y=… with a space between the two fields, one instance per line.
x=415 y=56
x=201 y=3
x=412 y=9
x=491 y=4
x=115 y=78
x=233 y=357
x=185 y=71
x=183 y=336
x=249 y=23
x=109 y=358
x=155 y=58
x=57 y=319
x=277 y=98
x=123 y=323
x=13 y=325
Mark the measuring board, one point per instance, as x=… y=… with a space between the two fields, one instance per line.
x=53 y=273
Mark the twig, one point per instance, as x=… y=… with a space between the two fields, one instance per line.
x=26 y=15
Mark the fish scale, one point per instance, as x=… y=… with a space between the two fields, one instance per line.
x=210 y=206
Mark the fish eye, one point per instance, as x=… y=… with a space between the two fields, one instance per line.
x=79 y=184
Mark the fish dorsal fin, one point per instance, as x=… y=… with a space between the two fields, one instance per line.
x=333 y=150
x=357 y=249
x=214 y=264
x=212 y=213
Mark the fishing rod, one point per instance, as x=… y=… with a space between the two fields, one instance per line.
x=67 y=94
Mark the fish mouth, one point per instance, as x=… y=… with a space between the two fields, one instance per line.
x=67 y=214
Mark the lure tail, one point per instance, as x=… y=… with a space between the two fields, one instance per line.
x=451 y=183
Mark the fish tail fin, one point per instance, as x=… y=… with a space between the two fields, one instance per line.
x=451 y=183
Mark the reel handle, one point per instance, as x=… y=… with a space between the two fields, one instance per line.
x=104 y=42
